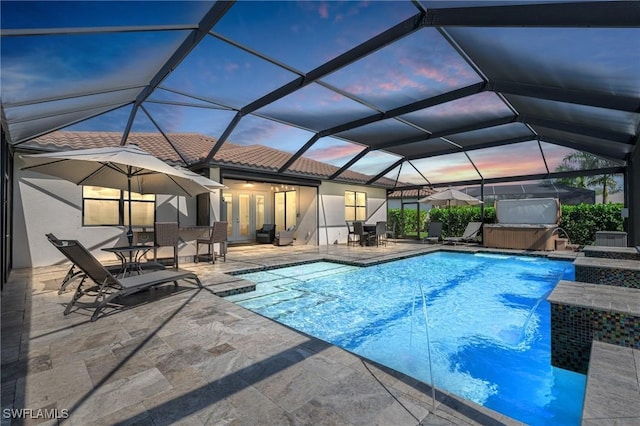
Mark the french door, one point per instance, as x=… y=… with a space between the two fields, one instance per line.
x=245 y=214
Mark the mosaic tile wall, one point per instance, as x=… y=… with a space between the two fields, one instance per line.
x=573 y=328
x=625 y=255
x=608 y=276
x=234 y=291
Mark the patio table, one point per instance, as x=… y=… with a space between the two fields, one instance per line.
x=134 y=253
x=371 y=230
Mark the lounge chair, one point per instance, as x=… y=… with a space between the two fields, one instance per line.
x=284 y=238
x=434 y=233
x=469 y=235
x=266 y=234
x=106 y=287
x=74 y=272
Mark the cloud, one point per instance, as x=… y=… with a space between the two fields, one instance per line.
x=334 y=154
x=231 y=67
x=323 y=10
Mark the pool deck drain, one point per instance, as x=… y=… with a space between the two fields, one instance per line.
x=186 y=355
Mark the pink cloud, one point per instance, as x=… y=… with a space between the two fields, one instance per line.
x=323 y=10
x=431 y=73
x=335 y=153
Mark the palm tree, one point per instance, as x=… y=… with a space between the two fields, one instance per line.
x=605 y=184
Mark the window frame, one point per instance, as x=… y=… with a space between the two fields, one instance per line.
x=121 y=202
x=356 y=206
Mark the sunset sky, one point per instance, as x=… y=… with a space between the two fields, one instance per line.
x=203 y=92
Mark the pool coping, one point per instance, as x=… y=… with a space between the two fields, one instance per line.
x=571 y=256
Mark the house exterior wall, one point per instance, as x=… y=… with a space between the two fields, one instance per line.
x=307 y=228
x=44 y=204
x=332 y=228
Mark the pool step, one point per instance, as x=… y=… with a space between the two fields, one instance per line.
x=613 y=386
x=614 y=272
x=622 y=253
x=583 y=312
x=234 y=287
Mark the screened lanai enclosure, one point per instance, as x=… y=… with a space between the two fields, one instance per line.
x=412 y=94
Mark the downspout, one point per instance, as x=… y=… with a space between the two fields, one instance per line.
x=326 y=227
x=317 y=216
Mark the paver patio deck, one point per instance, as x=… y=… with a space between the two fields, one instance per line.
x=186 y=356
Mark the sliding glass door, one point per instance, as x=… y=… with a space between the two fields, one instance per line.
x=285 y=209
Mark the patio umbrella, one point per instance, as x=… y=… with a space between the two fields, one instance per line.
x=127 y=168
x=450 y=197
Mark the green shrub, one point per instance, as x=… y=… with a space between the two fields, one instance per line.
x=455 y=219
x=406 y=224
x=580 y=222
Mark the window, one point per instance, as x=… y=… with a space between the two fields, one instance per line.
x=355 y=205
x=106 y=206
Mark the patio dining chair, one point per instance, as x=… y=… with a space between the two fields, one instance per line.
x=390 y=234
x=381 y=233
x=98 y=283
x=352 y=237
x=166 y=235
x=218 y=235
x=364 y=237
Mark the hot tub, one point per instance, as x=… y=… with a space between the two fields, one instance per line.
x=529 y=224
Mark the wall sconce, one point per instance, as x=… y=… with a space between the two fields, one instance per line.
x=249 y=184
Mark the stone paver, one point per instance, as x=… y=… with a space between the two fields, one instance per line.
x=613 y=386
x=184 y=355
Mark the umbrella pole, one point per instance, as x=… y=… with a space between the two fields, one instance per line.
x=130 y=231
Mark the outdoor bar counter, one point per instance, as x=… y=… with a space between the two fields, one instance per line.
x=525 y=224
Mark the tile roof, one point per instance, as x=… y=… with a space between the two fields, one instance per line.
x=194 y=147
x=412 y=193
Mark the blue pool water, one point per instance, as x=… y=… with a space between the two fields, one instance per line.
x=484 y=327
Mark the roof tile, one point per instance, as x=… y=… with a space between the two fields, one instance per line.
x=194 y=147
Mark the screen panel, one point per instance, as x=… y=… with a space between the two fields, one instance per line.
x=315 y=107
x=415 y=67
x=590 y=59
x=306 y=34
x=509 y=160
x=469 y=110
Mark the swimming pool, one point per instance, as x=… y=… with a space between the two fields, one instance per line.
x=488 y=333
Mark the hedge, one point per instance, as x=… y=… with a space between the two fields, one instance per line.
x=579 y=222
